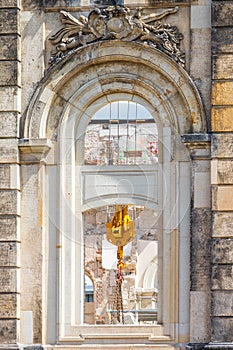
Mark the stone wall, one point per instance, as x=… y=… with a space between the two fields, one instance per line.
x=10 y=94
x=222 y=179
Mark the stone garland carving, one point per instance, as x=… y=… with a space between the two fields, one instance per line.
x=117 y=23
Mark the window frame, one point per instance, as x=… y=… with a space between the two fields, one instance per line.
x=71 y=328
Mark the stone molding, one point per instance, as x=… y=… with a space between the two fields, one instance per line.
x=142 y=66
x=74 y=5
x=209 y=346
x=195 y=138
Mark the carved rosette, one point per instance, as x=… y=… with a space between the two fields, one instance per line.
x=117 y=23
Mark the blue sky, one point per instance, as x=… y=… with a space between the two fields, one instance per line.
x=120 y=110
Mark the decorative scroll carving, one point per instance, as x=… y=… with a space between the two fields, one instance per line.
x=117 y=23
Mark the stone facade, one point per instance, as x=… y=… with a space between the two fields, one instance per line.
x=40 y=105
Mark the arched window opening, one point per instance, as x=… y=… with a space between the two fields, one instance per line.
x=121 y=132
x=139 y=299
x=70 y=190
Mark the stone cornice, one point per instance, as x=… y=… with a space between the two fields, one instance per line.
x=195 y=138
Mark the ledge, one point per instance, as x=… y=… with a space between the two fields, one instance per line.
x=209 y=346
x=49 y=5
x=195 y=138
x=219 y=346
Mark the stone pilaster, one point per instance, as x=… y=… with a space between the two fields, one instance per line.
x=199 y=147
x=221 y=174
x=32 y=152
x=10 y=96
x=200 y=49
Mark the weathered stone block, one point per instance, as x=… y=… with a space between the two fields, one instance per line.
x=222 y=14
x=222 y=277
x=222 y=329
x=8 y=150
x=5 y=176
x=222 y=40
x=152 y=2
x=9 y=23
x=9 y=176
x=29 y=5
x=8 y=280
x=222 y=145
x=201 y=73
x=200 y=17
x=9 y=202
x=222 y=93
x=61 y=3
x=201 y=248
x=9 y=73
x=8 y=331
x=10 y=99
x=9 y=3
x=8 y=305
x=222 y=67
x=222 y=198
x=222 y=251
x=9 y=252
x=201 y=166
x=202 y=190
x=222 y=224
x=8 y=124
x=9 y=228
x=199 y=316
x=222 y=303
x=225 y=171
x=9 y=47
x=222 y=119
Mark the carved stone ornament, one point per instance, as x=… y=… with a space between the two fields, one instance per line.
x=117 y=23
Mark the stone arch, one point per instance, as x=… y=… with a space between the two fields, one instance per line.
x=150 y=275
x=101 y=69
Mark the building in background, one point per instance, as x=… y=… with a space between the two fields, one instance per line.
x=105 y=104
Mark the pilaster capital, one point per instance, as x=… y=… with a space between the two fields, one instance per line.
x=198 y=145
x=33 y=150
